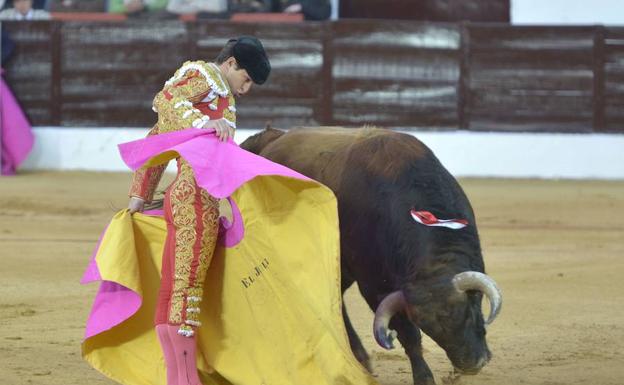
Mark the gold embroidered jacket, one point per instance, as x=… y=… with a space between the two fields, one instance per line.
x=196 y=94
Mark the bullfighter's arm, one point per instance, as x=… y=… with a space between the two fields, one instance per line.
x=146 y=179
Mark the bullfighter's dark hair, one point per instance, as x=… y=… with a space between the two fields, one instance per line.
x=226 y=51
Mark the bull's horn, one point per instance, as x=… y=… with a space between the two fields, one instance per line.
x=392 y=304
x=473 y=280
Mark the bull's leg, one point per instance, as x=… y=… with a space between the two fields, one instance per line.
x=411 y=339
x=354 y=340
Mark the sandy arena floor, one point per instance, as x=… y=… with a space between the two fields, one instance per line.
x=556 y=249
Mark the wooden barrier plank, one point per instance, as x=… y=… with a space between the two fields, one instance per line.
x=266 y=17
x=614 y=80
x=118 y=65
x=88 y=16
x=409 y=71
x=520 y=76
x=485 y=37
x=440 y=10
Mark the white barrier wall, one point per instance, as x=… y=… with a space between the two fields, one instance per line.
x=554 y=12
x=465 y=154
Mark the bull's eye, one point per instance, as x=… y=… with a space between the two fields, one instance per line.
x=412 y=316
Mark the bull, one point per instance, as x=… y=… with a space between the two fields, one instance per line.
x=414 y=277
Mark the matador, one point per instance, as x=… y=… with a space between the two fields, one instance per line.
x=199 y=95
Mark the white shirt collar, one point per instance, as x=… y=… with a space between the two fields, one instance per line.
x=27 y=16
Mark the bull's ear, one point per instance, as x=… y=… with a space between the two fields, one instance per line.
x=270 y=128
x=455 y=296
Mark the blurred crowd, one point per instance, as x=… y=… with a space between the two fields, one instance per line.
x=163 y=9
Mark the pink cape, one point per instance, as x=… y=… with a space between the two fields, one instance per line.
x=220 y=168
x=16 y=135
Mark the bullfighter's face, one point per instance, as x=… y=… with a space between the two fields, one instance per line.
x=453 y=320
x=238 y=79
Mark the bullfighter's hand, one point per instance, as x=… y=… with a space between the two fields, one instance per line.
x=222 y=129
x=225 y=210
x=136 y=204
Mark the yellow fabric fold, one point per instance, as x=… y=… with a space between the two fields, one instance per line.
x=271 y=312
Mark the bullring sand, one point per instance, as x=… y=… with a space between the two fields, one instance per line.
x=556 y=248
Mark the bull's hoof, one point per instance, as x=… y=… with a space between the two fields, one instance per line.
x=452 y=378
x=469 y=371
x=426 y=381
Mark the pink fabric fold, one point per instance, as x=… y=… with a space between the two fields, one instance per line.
x=220 y=167
x=16 y=135
x=113 y=304
x=232 y=232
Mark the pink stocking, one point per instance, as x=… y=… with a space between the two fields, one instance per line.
x=169 y=353
x=186 y=356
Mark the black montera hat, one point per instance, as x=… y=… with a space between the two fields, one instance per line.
x=250 y=55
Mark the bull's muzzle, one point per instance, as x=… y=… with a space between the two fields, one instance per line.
x=395 y=302
x=474 y=367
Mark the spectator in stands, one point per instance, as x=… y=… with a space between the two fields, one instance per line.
x=37 y=4
x=138 y=8
x=311 y=9
x=202 y=8
x=248 y=6
x=41 y=4
x=64 y=6
x=23 y=10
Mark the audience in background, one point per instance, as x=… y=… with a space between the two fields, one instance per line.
x=139 y=8
x=37 y=4
x=41 y=4
x=311 y=9
x=247 y=6
x=78 y=5
x=34 y=9
x=23 y=10
x=203 y=8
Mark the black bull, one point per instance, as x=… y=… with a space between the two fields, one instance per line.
x=414 y=277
